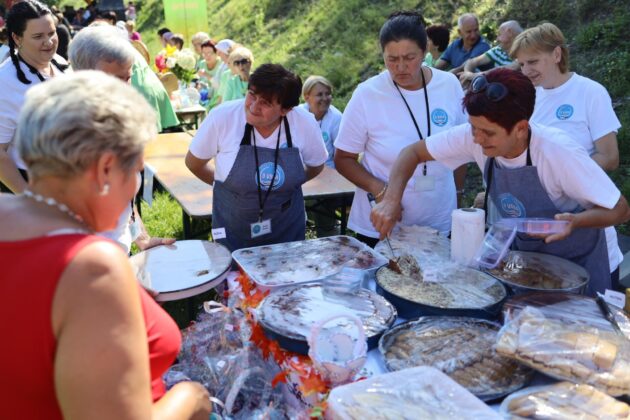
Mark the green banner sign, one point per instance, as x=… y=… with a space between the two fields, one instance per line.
x=186 y=17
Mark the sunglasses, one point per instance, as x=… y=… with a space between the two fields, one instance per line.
x=494 y=91
x=241 y=62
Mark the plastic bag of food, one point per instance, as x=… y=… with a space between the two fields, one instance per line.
x=416 y=393
x=569 y=351
x=561 y=305
x=563 y=401
x=217 y=353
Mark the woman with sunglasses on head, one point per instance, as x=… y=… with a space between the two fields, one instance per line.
x=264 y=148
x=240 y=61
x=575 y=104
x=531 y=171
x=32 y=44
x=394 y=109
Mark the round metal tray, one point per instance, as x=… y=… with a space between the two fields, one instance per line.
x=559 y=268
x=454 y=355
x=409 y=309
x=288 y=314
x=182 y=270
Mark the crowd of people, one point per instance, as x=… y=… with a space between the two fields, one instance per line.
x=72 y=133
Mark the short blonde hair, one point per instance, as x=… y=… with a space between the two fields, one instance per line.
x=199 y=38
x=240 y=53
x=311 y=81
x=67 y=123
x=545 y=38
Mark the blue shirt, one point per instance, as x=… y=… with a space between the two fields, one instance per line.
x=455 y=55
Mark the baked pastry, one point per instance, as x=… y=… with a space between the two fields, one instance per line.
x=464 y=288
x=570 y=351
x=564 y=401
x=463 y=348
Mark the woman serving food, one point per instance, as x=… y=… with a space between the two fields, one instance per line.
x=531 y=171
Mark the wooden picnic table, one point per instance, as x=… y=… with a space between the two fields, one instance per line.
x=165 y=156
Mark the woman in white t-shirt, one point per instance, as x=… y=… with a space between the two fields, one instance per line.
x=264 y=148
x=575 y=104
x=317 y=93
x=394 y=109
x=32 y=44
x=531 y=171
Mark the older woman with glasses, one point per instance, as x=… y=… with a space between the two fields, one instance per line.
x=92 y=343
x=530 y=170
x=240 y=61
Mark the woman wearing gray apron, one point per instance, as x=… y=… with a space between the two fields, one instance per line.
x=531 y=171
x=257 y=197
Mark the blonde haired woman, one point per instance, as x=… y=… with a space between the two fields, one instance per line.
x=96 y=344
x=573 y=103
x=317 y=94
x=240 y=61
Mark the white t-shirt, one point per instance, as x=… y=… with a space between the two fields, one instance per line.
x=376 y=122
x=12 y=97
x=581 y=107
x=566 y=172
x=329 y=125
x=221 y=132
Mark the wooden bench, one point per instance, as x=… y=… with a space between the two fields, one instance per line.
x=166 y=156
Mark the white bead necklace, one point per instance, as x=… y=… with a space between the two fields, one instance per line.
x=53 y=203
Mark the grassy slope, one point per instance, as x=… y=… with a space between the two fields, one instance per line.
x=339 y=39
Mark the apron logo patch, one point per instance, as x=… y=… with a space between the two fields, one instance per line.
x=511 y=206
x=439 y=117
x=564 y=112
x=266 y=175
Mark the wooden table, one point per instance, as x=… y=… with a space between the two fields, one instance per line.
x=166 y=156
x=191 y=116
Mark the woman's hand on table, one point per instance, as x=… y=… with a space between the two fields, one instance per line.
x=385 y=215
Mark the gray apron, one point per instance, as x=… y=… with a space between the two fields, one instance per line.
x=236 y=203
x=519 y=193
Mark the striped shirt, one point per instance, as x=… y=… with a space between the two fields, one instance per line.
x=498 y=56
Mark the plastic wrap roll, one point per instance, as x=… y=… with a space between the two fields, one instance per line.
x=467 y=232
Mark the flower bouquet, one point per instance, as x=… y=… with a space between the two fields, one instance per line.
x=182 y=65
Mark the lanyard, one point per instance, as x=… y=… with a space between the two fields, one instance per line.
x=261 y=201
x=413 y=118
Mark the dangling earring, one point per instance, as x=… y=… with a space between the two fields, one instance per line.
x=105 y=190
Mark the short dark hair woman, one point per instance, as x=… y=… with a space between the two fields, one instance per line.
x=438 y=39
x=264 y=148
x=394 y=109
x=33 y=43
x=531 y=171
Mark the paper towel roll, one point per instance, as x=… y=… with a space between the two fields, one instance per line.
x=467 y=233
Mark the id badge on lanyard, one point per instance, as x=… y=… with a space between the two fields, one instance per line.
x=263 y=227
x=260 y=228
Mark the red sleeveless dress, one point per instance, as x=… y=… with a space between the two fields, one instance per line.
x=29 y=273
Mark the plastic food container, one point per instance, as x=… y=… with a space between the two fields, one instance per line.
x=416 y=393
x=536 y=226
x=287 y=264
x=495 y=245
